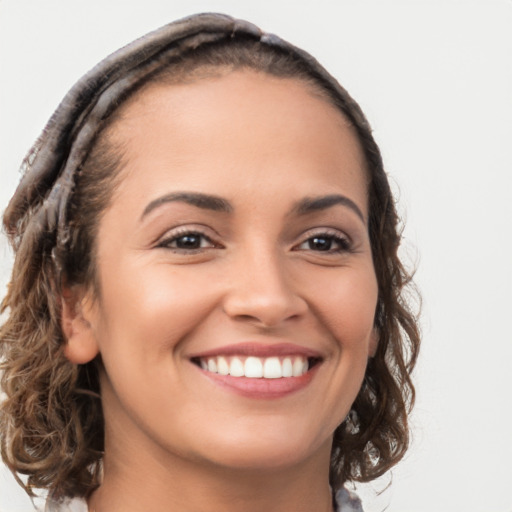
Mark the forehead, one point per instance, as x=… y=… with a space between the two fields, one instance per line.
x=244 y=122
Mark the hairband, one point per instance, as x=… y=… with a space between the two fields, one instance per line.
x=49 y=168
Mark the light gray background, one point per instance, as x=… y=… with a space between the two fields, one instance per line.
x=435 y=80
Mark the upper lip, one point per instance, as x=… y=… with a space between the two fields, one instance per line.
x=258 y=350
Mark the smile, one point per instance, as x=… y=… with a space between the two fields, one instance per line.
x=257 y=367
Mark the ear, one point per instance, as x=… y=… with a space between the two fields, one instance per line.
x=76 y=316
x=374 y=342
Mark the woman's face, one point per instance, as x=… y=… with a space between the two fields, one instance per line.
x=237 y=242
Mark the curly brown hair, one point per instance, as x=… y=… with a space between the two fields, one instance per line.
x=51 y=422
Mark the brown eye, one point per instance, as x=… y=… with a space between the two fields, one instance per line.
x=325 y=242
x=320 y=243
x=189 y=241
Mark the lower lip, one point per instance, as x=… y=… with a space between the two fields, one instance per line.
x=263 y=389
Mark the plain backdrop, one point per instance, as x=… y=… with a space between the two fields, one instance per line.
x=435 y=80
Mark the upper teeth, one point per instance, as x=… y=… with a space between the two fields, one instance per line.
x=256 y=367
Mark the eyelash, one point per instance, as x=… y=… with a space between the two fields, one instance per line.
x=168 y=242
x=327 y=238
x=343 y=243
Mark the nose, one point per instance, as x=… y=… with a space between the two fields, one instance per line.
x=262 y=292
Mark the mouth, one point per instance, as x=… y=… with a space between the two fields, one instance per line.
x=259 y=369
x=254 y=367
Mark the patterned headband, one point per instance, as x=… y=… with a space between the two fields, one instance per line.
x=49 y=168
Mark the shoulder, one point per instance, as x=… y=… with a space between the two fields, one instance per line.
x=73 y=505
x=348 y=501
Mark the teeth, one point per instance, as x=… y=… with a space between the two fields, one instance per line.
x=297 y=368
x=212 y=365
x=256 y=367
x=222 y=366
x=253 y=368
x=272 y=368
x=287 y=367
x=236 y=368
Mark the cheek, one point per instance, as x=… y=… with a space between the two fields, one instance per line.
x=155 y=305
x=349 y=308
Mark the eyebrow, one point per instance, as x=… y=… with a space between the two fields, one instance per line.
x=204 y=201
x=218 y=204
x=314 y=204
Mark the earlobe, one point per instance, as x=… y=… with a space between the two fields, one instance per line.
x=374 y=342
x=81 y=345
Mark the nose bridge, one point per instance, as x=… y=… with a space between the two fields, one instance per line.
x=261 y=287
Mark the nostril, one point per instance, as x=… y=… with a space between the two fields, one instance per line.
x=247 y=317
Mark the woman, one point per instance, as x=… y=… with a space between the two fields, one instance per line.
x=206 y=307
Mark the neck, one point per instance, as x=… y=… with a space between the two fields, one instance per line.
x=152 y=485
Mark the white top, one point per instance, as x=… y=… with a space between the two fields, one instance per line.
x=74 y=505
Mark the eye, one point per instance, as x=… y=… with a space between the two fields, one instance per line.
x=326 y=242
x=187 y=241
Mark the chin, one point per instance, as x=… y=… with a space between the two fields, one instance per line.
x=265 y=450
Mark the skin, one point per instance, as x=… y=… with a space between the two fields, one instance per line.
x=175 y=439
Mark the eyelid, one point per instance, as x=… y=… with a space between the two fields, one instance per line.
x=188 y=229
x=326 y=231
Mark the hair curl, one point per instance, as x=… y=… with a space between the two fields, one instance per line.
x=51 y=422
